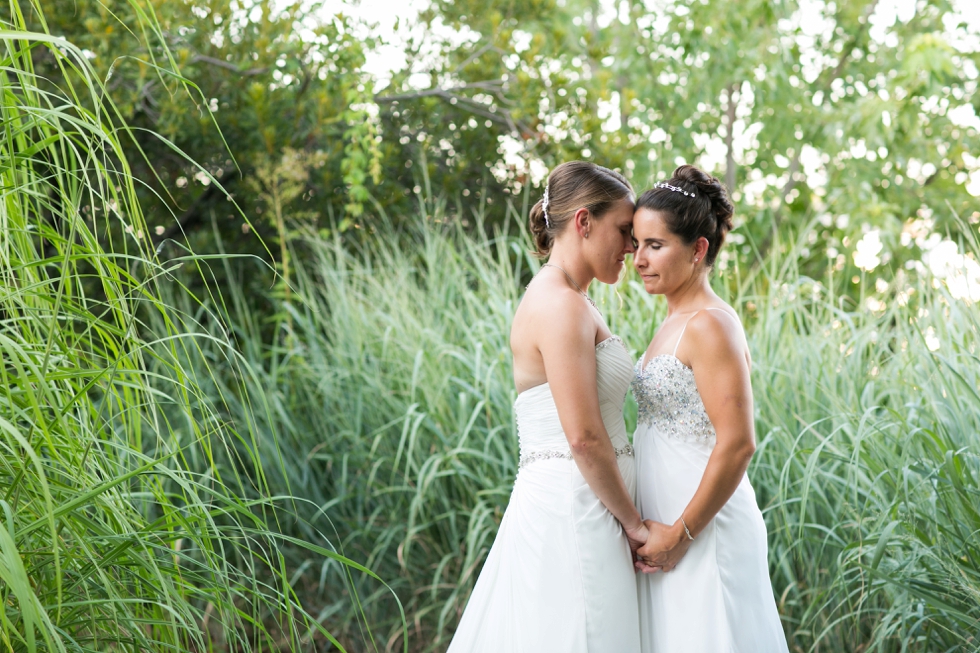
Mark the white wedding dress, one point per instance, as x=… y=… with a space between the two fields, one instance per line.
x=718 y=599
x=559 y=577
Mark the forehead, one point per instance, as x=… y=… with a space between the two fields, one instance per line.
x=648 y=223
x=622 y=211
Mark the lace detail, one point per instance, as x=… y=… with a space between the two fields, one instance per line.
x=549 y=454
x=667 y=398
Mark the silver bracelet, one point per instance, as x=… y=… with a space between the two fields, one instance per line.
x=684 y=524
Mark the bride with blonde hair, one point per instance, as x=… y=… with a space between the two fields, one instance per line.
x=559 y=577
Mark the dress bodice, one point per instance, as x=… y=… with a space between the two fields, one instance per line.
x=538 y=427
x=667 y=399
x=559 y=576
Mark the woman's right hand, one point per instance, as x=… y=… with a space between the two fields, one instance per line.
x=637 y=537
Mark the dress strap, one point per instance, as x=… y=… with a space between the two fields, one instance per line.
x=683 y=328
x=708 y=308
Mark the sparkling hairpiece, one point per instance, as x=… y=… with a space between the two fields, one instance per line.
x=544 y=206
x=663 y=184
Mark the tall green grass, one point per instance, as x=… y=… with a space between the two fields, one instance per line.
x=133 y=515
x=389 y=384
x=869 y=465
x=181 y=472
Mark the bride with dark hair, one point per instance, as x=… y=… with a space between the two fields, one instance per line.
x=559 y=577
x=694 y=439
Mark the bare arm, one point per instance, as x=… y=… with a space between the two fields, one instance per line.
x=722 y=376
x=721 y=372
x=568 y=351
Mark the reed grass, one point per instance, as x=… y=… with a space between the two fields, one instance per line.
x=133 y=516
x=186 y=473
x=392 y=395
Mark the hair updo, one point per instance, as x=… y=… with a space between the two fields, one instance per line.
x=571 y=186
x=708 y=213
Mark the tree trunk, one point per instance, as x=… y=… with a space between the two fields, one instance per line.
x=730 y=137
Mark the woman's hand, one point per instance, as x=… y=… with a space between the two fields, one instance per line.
x=638 y=536
x=665 y=546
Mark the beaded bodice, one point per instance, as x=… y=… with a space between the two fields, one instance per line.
x=667 y=399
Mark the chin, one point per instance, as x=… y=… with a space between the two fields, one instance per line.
x=613 y=274
x=652 y=289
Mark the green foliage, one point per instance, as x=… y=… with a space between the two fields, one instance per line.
x=186 y=464
x=392 y=396
x=132 y=517
x=836 y=111
x=805 y=110
x=263 y=77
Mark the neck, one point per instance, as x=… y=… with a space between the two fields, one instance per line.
x=573 y=264
x=691 y=295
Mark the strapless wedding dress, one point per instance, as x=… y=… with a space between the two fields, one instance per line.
x=718 y=599
x=559 y=577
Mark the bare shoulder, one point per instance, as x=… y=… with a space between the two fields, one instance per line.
x=552 y=307
x=717 y=332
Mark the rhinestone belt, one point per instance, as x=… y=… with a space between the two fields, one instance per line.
x=549 y=454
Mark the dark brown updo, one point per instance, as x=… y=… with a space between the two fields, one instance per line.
x=708 y=213
x=571 y=186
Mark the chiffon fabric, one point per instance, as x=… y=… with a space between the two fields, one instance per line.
x=559 y=577
x=718 y=599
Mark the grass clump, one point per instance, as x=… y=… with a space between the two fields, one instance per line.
x=188 y=474
x=390 y=385
x=132 y=515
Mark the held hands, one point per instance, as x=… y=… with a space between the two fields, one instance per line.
x=663 y=549
x=638 y=537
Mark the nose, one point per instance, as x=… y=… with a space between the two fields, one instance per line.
x=630 y=244
x=639 y=260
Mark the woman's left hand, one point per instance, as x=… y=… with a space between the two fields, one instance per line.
x=665 y=546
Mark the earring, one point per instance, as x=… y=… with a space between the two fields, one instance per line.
x=586 y=234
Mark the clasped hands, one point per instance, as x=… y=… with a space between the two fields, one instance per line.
x=657 y=547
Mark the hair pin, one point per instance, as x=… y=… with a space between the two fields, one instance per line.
x=663 y=184
x=544 y=206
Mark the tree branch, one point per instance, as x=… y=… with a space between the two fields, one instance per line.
x=449 y=94
x=492 y=85
x=477 y=54
x=200 y=58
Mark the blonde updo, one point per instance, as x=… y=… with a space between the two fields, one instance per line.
x=572 y=186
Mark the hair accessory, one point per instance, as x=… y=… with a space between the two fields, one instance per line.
x=544 y=206
x=663 y=184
